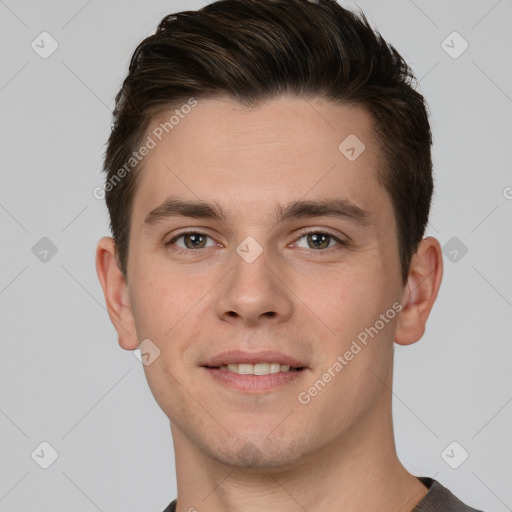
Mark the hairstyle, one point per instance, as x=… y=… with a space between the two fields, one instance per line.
x=256 y=50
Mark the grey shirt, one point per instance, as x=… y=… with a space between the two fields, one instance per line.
x=437 y=499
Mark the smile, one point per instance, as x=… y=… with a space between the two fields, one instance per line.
x=257 y=369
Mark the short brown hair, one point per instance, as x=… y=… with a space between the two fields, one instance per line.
x=256 y=50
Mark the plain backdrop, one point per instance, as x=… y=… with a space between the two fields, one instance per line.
x=64 y=380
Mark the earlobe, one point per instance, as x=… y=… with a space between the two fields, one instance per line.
x=115 y=290
x=420 y=293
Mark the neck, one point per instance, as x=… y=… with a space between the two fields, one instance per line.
x=356 y=471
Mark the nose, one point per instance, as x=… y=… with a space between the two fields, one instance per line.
x=254 y=292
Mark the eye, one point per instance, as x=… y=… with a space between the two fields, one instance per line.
x=320 y=240
x=316 y=240
x=191 y=240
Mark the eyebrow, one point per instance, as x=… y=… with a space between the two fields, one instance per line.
x=337 y=208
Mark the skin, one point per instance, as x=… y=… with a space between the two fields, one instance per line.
x=252 y=451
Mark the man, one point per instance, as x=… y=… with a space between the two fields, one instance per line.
x=269 y=181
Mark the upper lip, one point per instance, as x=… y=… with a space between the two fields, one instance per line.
x=265 y=356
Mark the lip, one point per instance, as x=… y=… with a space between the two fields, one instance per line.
x=255 y=383
x=265 y=356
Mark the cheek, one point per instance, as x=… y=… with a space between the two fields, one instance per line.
x=346 y=305
x=346 y=298
x=162 y=298
x=171 y=308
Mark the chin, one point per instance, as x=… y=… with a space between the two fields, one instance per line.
x=259 y=453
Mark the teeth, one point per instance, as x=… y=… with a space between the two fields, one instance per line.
x=275 y=367
x=255 y=369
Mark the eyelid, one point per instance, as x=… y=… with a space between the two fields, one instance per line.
x=308 y=231
x=325 y=231
x=313 y=231
x=189 y=232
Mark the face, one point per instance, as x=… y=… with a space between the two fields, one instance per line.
x=256 y=240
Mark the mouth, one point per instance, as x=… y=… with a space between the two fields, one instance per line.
x=262 y=368
x=255 y=372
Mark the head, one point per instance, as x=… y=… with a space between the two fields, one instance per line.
x=288 y=138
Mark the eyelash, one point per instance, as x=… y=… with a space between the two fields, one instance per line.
x=303 y=234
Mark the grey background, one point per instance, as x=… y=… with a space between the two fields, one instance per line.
x=63 y=378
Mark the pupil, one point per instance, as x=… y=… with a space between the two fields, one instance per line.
x=195 y=240
x=318 y=238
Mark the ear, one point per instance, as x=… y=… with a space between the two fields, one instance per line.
x=420 y=291
x=115 y=289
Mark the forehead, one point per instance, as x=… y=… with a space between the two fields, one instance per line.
x=284 y=149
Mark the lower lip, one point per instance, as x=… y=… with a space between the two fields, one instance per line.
x=255 y=382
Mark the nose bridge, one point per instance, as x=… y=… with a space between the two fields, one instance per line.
x=252 y=290
x=251 y=273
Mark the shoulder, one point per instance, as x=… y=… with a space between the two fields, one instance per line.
x=440 y=499
x=171 y=507
x=437 y=499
